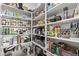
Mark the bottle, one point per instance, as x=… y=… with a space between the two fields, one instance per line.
x=8 y=31
x=19 y=6
x=48 y=33
x=17 y=14
x=50 y=5
x=56 y=29
x=49 y=45
x=58 y=50
x=65 y=12
x=77 y=52
x=59 y=30
x=3 y=22
x=49 y=21
x=5 y=31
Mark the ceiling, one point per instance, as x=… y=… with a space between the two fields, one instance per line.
x=31 y=6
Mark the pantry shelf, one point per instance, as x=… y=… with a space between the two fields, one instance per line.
x=44 y=48
x=9 y=46
x=39 y=35
x=49 y=26
x=75 y=40
x=39 y=17
x=13 y=8
x=74 y=19
x=42 y=25
x=59 y=8
x=15 y=26
x=13 y=17
x=16 y=44
x=9 y=35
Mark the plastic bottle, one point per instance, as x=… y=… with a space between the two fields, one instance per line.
x=59 y=30
x=58 y=50
x=49 y=44
x=56 y=29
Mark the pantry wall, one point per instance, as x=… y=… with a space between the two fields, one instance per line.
x=51 y=29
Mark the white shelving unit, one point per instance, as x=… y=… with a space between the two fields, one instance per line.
x=39 y=35
x=15 y=26
x=75 y=19
x=55 y=10
x=43 y=16
x=2 y=16
x=13 y=17
x=14 y=8
x=59 y=8
x=43 y=48
x=65 y=39
x=42 y=25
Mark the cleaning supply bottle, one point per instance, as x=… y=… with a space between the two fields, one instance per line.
x=58 y=50
x=55 y=31
x=59 y=30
